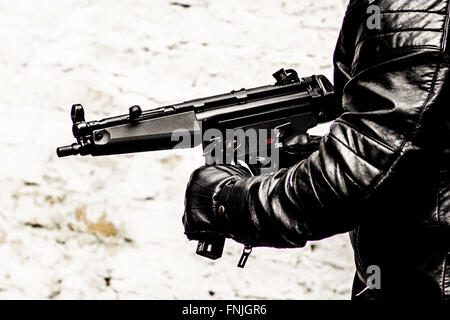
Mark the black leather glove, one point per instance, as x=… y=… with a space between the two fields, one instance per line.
x=204 y=216
x=298 y=149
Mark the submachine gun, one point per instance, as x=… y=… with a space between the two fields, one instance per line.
x=284 y=111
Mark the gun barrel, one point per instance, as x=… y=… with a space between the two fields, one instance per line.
x=70 y=150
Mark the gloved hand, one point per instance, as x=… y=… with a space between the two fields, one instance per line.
x=204 y=215
x=297 y=149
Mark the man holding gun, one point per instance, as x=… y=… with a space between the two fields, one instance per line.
x=382 y=172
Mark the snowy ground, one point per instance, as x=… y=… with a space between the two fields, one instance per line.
x=110 y=227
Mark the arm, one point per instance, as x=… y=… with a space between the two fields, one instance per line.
x=392 y=102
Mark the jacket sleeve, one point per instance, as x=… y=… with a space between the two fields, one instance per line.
x=392 y=92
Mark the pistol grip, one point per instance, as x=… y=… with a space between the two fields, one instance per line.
x=211 y=248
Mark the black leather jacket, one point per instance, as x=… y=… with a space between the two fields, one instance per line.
x=383 y=170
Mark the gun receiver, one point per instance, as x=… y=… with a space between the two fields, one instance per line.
x=291 y=106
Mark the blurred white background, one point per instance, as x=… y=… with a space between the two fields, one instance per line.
x=110 y=227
